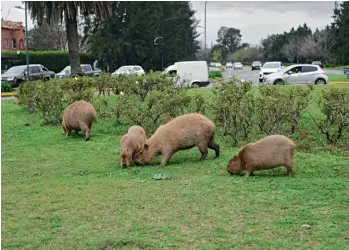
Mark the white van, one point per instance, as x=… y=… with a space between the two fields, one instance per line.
x=194 y=73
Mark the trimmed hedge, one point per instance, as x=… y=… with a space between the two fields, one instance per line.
x=53 y=60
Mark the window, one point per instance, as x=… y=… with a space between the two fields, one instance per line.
x=21 y=44
x=7 y=43
x=14 y=44
x=294 y=70
x=34 y=69
x=172 y=72
x=306 y=69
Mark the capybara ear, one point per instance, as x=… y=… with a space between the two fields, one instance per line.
x=146 y=146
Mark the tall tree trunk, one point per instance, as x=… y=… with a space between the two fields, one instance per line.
x=71 y=25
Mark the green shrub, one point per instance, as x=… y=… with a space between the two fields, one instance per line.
x=233 y=109
x=51 y=97
x=214 y=74
x=53 y=60
x=6 y=87
x=334 y=106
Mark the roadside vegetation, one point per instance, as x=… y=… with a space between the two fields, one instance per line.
x=65 y=193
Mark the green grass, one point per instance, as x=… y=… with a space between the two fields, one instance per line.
x=64 y=193
x=336 y=77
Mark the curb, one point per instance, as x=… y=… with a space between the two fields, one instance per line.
x=8 y=94
x=339 y=82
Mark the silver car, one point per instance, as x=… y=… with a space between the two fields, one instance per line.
x=298 y=74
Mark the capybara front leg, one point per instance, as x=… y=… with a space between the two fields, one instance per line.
x=249 y=171
x=203 y=149
x=165 y=159
x=214 y=146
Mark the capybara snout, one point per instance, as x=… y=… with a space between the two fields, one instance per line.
x=270 y=152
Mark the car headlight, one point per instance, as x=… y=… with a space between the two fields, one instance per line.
x=10 y=79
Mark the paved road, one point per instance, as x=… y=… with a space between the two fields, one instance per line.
x=252 y=76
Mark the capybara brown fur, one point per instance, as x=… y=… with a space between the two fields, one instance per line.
x=270 y=152
x=180 y=133
x=79 y=116
x=131 y=143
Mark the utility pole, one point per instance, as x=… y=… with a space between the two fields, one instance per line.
x=26 y=34
x=162 y=41
x=205 y=32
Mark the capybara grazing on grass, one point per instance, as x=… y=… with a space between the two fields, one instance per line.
x=79 y=116
x=270 y=152
x=131 y=143
x=182 y=132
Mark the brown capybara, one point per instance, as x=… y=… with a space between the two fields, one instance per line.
x=131 y=143
x=79 y=116
x=270 y=152
x=182 y=132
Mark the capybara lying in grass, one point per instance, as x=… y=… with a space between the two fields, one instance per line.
x=131 y=143
x=270 y=152
x=79 y=116
x=182 y=132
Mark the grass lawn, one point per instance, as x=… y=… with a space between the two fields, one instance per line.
x=340 y=78
x=65 y=193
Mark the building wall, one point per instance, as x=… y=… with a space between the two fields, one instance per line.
x=10 y=37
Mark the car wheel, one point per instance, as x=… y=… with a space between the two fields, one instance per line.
x=195 y=85
x=320 y=81
x=278 y=82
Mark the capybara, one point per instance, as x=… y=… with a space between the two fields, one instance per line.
x=79 y=116
x=131 y=143
x=270 y=152
x=182 y=132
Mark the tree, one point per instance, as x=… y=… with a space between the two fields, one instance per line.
x=229 y=38
x=52 y=12
x=125 y=38
x=343 y=33
x=48 y=37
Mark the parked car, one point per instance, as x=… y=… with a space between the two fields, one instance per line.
x=17 y=74
x=86 y=69
x=228 y=65
x=256 y=65
x=215 y=64
x=318 y=63
x=298 y=74
x=238 y=65
x=268 y=68
x=194 y=73
x=130 y=69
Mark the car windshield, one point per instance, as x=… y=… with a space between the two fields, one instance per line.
x=287 y=68
x=16 y=70
x=238 y=63
x=271 y=65
x=257 y=63
x=137 y=68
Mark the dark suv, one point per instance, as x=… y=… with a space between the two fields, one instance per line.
x=256 y=65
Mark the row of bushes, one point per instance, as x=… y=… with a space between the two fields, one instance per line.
x=240 y=111
x=53 y=60
x=215 y=74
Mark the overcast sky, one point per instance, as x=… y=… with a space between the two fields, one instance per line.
x=255 y=19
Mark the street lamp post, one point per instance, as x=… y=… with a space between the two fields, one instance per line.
x=162 y=40
x=205 y=32
x=26 y=34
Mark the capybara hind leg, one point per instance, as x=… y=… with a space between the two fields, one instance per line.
x=88 y=135
x=203 y=149
x=214 y=146
x=165 y=159
x=289 y=169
